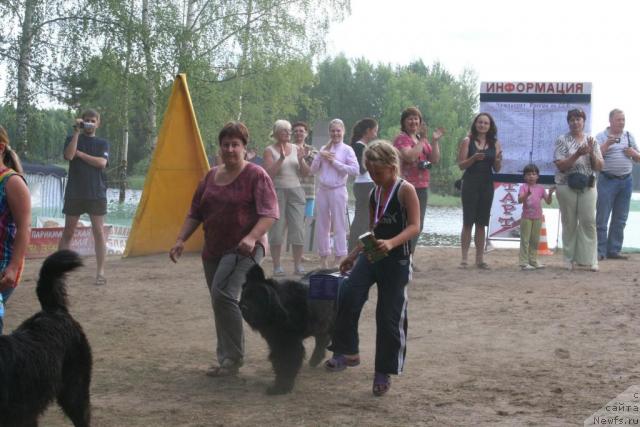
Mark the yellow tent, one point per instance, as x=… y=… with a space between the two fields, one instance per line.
x=178 y=164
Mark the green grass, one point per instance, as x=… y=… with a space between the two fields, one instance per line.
x=135 y=182
x=444 y=201
x=63 y=165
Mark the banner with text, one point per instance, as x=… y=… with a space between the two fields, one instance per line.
x=505 y=212
x=44 y=241
x=530 y=116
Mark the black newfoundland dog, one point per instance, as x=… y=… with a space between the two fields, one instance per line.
x=282 y=313
x=48 y=357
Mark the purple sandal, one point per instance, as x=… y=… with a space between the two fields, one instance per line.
x=381 y=384
x=339 y=362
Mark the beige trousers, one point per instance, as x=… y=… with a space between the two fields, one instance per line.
x=578 y=215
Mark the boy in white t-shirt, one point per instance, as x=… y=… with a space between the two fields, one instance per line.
x=531 y=195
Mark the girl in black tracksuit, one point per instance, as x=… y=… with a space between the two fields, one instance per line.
x=394 y=220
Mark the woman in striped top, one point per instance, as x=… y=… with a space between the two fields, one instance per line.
x=15 y=220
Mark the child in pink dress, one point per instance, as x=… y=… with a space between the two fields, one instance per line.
x=531 y=195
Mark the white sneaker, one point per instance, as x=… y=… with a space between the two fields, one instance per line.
x=538 y=266
x=527 y=267
x=594 y=268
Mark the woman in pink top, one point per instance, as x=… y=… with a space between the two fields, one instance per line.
x=417 y=155
x=334 y=162
x=236 y=204
x=530 y=195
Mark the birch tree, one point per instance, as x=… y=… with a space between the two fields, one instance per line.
x=29 y=50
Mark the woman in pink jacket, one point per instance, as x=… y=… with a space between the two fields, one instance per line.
x=334 y=162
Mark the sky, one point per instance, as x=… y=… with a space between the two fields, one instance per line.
x=561 y=40
x=545 y=41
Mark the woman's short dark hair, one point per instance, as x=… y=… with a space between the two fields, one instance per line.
x=408 y=112
x=492 y=133
x=234 y=130
x=300 y=124
x=531 y=168
x=361 y=127
x=576 y=112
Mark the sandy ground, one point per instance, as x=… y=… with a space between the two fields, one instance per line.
x=499 y=347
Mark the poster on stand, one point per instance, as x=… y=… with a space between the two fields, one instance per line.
x=504 y=223
x=530 y=116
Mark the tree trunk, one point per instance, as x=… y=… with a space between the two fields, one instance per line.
x=24 y=74
x=186 y=48
x=125 y=112
x=150 y=127
x=243 y=59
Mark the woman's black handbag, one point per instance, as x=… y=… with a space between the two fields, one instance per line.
x=578 y=181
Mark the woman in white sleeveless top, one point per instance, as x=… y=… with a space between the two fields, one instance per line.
x=284 y=163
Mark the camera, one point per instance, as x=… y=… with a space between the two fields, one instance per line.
x=424 y=164
x=84 y=125
x=617 y=140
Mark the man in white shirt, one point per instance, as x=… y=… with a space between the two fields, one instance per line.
x=615 y=185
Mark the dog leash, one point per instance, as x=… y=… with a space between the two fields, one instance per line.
x=225 y=282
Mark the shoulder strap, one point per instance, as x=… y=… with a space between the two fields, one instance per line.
x=397 y=192
x=6 y=174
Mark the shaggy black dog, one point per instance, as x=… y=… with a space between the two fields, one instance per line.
x=48 y=357
x=284 y=316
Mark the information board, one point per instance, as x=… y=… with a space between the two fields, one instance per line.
x=530 y=116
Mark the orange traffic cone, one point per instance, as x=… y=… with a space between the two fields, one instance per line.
x=543 y=248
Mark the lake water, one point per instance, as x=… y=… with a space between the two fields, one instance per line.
x=442 y=228
x=442 y=224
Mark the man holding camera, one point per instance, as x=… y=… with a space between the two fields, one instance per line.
x=86 y=190
x=615 y=185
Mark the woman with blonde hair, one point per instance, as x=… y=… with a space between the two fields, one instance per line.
x=15 y=220
x=285 y=164
x=334 y=162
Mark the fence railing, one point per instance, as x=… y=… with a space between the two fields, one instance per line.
x=47 y=194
